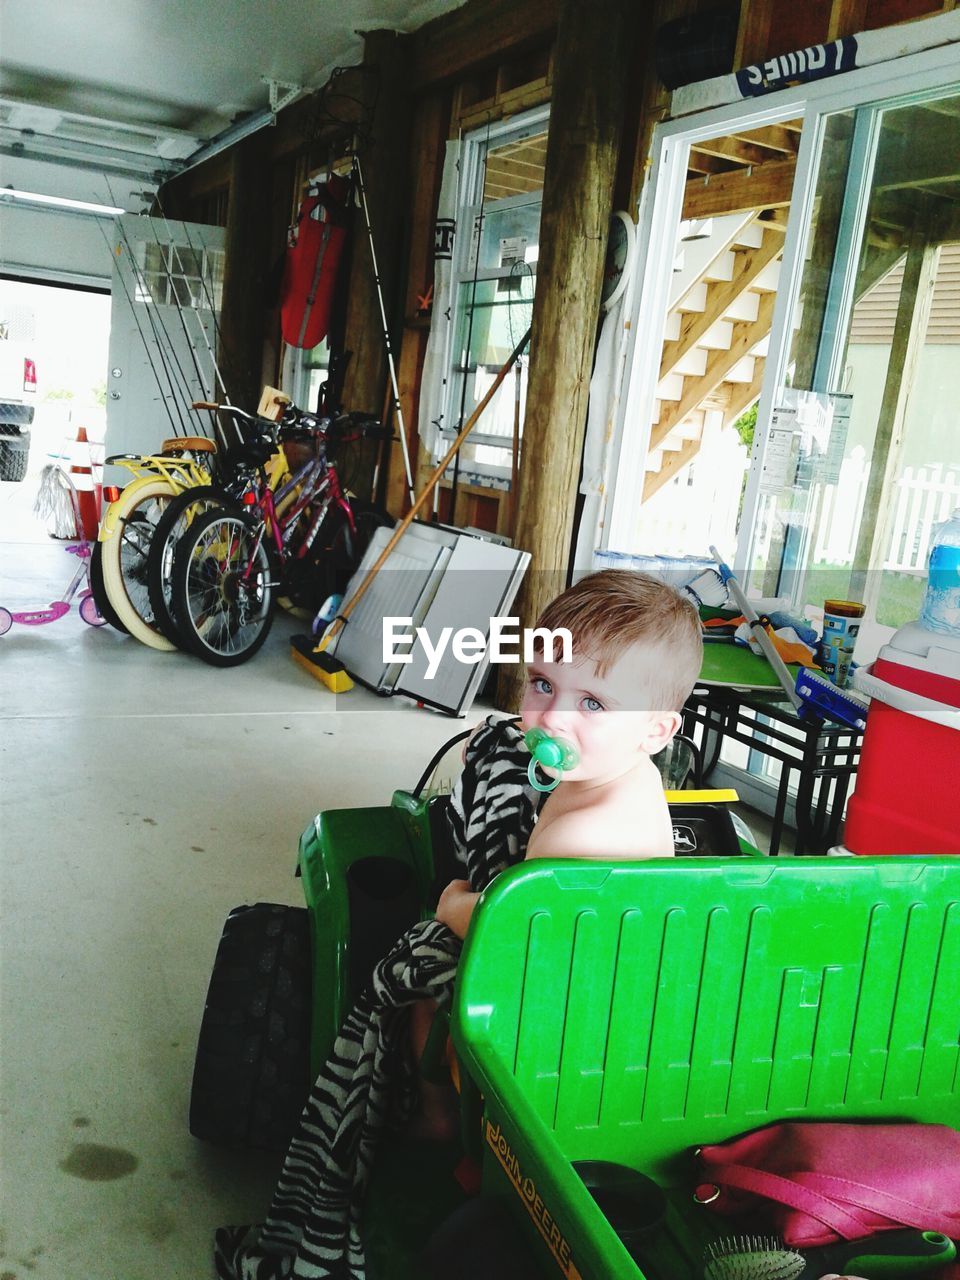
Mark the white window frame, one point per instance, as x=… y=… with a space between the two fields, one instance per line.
x=474 y=147
x=913 y=77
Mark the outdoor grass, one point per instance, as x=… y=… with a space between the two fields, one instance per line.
x=901 y=594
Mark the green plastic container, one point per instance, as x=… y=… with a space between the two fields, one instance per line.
x=629 y=1013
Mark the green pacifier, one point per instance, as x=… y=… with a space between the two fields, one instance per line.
x=549 y=753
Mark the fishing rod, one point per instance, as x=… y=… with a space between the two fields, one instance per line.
x=208 y=298
x=171 y=281
x=211 y=307
x=157 y=327
x=398 y=412
x=207 y=295
x=156 y=318
x=143 y=336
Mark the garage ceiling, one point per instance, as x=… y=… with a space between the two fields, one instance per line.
x=133 y=85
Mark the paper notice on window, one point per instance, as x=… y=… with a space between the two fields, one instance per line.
x=513 y=249
x=779 y=454
x=837 y=443
x=807 y=440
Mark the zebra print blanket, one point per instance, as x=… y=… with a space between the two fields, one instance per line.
x=368 y=1082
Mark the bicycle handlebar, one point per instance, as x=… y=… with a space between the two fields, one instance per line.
x=294 y=419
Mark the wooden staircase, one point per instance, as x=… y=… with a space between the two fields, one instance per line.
x=715 y=341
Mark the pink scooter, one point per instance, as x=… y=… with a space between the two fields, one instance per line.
x=58 y=498
x=88 y=607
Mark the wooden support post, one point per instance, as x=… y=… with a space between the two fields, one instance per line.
x=247 y=262
x=909 y=335
x=429 y=133
x=384 y=160
x=590 y=75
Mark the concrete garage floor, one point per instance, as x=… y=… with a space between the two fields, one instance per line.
x=143 y=795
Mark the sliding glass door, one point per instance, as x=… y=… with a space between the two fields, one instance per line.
x=862 y=455
x=800 y=296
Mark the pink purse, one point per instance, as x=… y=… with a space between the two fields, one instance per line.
x=816 y=1183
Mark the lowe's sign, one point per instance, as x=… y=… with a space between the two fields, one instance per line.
x=814 y=63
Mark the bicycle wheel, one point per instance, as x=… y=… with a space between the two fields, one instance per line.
x=335 y=556
x=99 y=591
x=180 y=514
x=222 y=588
x=124 y=558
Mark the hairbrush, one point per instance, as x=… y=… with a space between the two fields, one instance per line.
x=751 y=1258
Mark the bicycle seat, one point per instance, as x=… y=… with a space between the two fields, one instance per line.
x=188 y=444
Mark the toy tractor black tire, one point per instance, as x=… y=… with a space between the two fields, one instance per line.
x=252 y=1071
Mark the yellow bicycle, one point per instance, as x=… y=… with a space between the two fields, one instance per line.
x=129 y=522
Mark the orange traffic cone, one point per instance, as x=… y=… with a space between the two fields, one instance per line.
x=81 y=473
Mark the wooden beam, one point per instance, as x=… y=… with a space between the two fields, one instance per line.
x=593 y=59
x=874 y=267
x=721 y=295
x=766 y=186
x=747 y=333
x=920 y=162
x=733 y=149
x=654 y=481
x=775 y=137
x=754 y=32
x=698 y=162
x=476 y=34
x=847 y=17
x=909 y=335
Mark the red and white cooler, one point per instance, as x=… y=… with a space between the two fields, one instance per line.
x=907 y=797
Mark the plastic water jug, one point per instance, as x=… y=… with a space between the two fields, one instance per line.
x=941 y=604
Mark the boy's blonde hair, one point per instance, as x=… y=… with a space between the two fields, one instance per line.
x=609 y=611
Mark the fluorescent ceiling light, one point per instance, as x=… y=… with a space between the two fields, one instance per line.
x=61 y=202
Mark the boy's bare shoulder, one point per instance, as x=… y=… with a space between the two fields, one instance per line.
x=622 y=823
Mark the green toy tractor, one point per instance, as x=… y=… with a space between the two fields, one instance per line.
x=622 y=1013
x=284 y=978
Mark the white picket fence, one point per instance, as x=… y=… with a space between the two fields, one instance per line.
x=924 y=497
x=701 y=504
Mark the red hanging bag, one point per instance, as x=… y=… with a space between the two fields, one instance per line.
x=315 y=246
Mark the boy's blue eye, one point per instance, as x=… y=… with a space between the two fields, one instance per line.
x=540 y=685
x=592 y=704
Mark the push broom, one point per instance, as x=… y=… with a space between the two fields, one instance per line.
x=314 y=657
